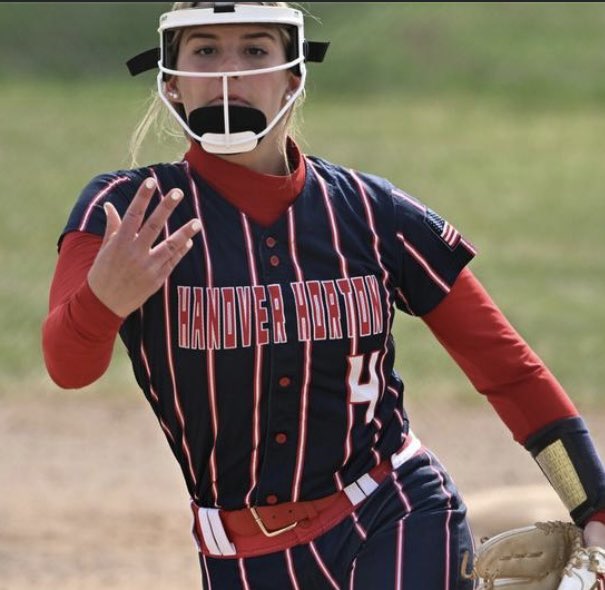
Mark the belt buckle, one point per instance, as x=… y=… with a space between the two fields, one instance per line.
x=264 y=529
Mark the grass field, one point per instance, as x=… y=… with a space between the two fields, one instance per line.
x=525 y=185
x=528 y=52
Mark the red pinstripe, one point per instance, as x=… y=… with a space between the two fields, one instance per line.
x=376 y=456
x=392 y=390
x=421 y=260
x=344 y=272
x=258 y=364
x=409 y=200
x=322 y=566
x=404 y=300
x=332 y=218
x=291 y=570
x=154 y=395
x=302 y=428
x=404 y=499
x=242 y=574
x=447 y=523
x=352 y=578
x=99 y=196
x=205 y=564
x=385 y=282
x=338 y=481
x=399 y=557
x=398 y=415
x=209 y=352
x=177 y=403
x=360 y=530
x=468 y=246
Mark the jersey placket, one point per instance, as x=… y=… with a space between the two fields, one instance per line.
x=282 y=362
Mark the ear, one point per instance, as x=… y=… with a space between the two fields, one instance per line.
x=171 y=90
x=291 y=87
x=293 y=83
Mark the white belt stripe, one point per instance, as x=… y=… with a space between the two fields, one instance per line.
x=354 y=493
x=398 y=459
x=207 y=531
x=214 y=532
x=367 y=484
x=226 y=547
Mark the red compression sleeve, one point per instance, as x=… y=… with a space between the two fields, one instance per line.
x=79 y=332
x=495 y=358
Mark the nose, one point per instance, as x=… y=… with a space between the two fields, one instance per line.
x=231 y=62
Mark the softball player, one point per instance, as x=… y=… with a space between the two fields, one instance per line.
x=254 y=288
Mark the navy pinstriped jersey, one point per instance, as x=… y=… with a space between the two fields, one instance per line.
x=267 y=355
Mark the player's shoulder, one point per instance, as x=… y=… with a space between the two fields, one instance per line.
x=118 y=187
x=125 y=182
x=375 y=184
x=349 y=178
x=382 y=192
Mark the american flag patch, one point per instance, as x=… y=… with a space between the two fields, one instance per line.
x=448 y=233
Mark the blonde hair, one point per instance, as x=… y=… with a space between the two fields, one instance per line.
x=158 y=117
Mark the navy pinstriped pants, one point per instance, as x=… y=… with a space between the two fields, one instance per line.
x=410 y=534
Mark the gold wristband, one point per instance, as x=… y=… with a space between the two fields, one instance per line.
x=555 y=462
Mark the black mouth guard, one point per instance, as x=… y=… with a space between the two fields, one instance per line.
x=241 y=118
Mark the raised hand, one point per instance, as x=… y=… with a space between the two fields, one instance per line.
x=127 y=269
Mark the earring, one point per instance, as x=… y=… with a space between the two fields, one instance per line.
x=173 y=94
x=288 y=96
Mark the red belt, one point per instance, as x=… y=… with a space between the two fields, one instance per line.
x=273 y=520
x=258 y=530
x=263 y=529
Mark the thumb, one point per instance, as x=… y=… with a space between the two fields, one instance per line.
x=594 y=534
x=113 y=222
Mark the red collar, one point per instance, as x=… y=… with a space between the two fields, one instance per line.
x=262 y=197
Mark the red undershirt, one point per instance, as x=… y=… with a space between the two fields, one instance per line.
x=79 y=331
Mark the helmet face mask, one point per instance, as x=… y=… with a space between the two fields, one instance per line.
x=229 y=129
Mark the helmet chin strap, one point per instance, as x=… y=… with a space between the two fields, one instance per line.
x=227 y=129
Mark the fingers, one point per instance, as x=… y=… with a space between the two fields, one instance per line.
x=130 y=227
x=112 y=221
x=136 y=210
x=176 y=254
x=154 y=224
x=170 y=251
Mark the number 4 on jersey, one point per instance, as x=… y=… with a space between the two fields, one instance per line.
x=365 y=392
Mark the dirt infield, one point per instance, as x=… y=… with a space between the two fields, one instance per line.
x=91 y=497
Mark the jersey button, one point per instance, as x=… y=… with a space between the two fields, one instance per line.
x=285 y=382
x=281 y=438
x=271 y=242
x=271 y=499
x=274 y=260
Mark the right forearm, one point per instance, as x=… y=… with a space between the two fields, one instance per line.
x=79 y=331
x=77 y=339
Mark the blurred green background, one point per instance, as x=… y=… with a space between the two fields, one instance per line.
x=491 y=113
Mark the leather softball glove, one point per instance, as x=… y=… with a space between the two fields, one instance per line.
x=544 y=556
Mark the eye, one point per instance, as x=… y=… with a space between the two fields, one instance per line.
x=256 y=51
x=206 y=50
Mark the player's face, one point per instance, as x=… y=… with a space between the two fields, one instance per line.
x=225 y=48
